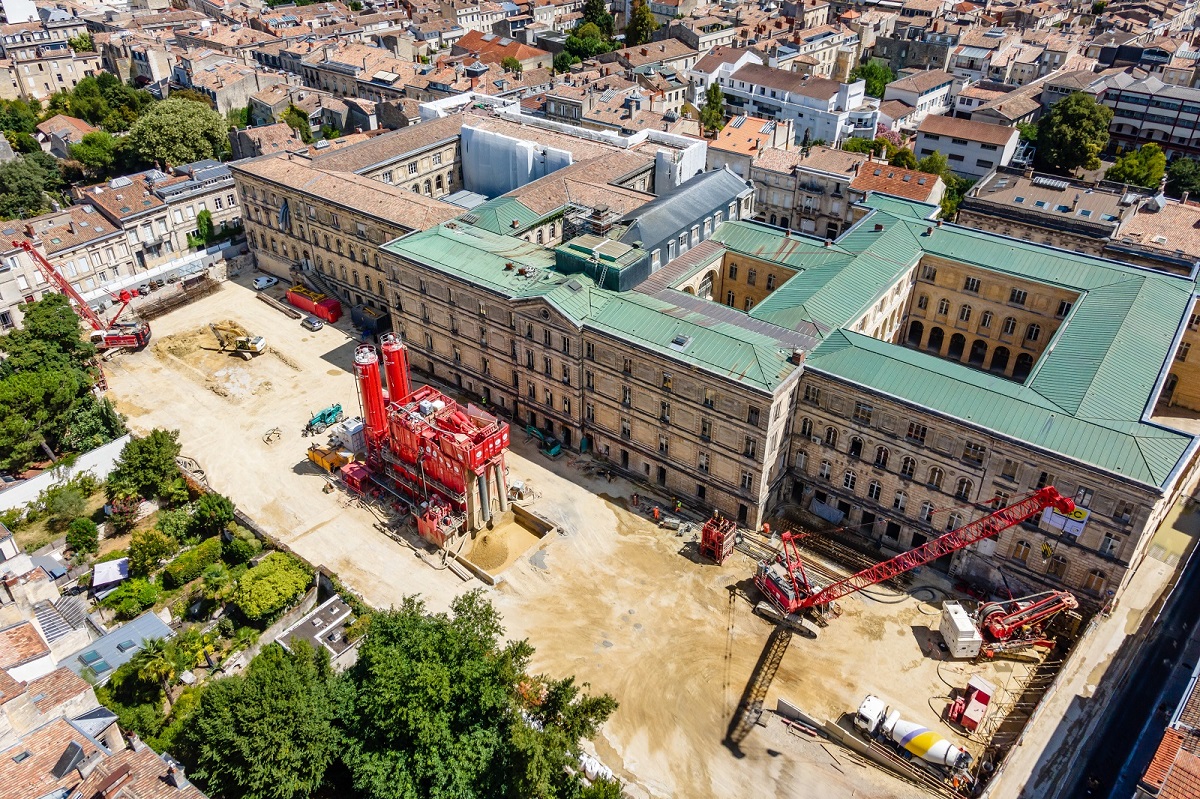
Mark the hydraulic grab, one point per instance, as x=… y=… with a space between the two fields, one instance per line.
x=107 y=335
x=1002 y=620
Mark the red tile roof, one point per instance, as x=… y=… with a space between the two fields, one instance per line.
x=907 y=183
x=20 y=644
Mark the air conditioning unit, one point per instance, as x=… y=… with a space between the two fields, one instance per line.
x=815 y=439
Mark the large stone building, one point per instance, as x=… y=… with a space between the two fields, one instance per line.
x=899 y=380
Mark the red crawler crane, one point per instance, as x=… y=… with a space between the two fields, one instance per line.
x=787 y=586
x=106 y=335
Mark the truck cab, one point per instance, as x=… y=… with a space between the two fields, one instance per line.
x=870 y=714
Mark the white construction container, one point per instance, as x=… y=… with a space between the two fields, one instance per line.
x=350 y=434
x=959 y=632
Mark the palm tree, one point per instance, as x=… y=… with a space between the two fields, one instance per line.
x=154 y=663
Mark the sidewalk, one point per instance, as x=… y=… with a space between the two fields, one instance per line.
x=1048 y=752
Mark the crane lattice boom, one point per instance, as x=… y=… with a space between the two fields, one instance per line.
x=984 y=527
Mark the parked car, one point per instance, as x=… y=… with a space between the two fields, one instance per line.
x=264 y=282
x=143 y=289
x=312 y=323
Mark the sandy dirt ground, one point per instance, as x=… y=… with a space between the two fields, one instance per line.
x=629 y=609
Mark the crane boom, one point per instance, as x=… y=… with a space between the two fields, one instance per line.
x=768 y=577
x=50 y=273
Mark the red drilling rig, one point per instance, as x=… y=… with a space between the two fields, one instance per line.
x=424 y=447
x=106 y=335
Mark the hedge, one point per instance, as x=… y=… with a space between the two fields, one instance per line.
x=191 y=564
x=270 y=586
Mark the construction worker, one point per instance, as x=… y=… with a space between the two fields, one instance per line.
x=656 y=512
x=766 y=530
x=678 y=504
x=635 y=500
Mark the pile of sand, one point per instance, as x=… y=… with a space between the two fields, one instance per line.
x=490 y=551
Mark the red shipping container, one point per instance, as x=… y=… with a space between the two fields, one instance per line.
x=319 y=305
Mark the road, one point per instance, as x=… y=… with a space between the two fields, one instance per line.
x=1159 y=677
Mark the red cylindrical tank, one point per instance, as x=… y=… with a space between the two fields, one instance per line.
x=370 y=389
x=395 y=364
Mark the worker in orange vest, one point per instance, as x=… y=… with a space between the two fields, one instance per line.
x=766 y=530
x=656 y=512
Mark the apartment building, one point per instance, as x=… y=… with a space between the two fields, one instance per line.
x=717 y=65
x=1148 y=110
x=972 y=148
x=928 y=92
x=819 y=109
x=1102 y=219
x=806 y=190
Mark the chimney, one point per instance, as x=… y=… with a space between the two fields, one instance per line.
x=175 y=776
x=878 y=227
x=1183 y=199
x=797 y=356
x=929 y=231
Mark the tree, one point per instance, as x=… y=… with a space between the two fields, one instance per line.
x=642 y=24
x=154 y=663
x=91 y=423
x=177 y=132
x=270 y=586
x=213 y=512
x=97 y=151
x=148 y=547
x=437 y=706
x=511 y=64
x=146 y=466
x=903 y=158
x=1183 y=175
x=1098 y=7
x=18 y=116
x=1143 y=167
x=268 y=733
x=34 y=408
x=64 y=504
x=22 y=142
x=204 y=224
x=131 y=598
x=1029 y=131
x=587 y=41
x=1073 y=134
x=596 y=12
x=855 y=144
x=298 y=121
x=712 y=113
x=50 y=333
x=563 y=61
x=192 y=96
x=83 y=535
x=936 y=164
x=242 y=545
x=23 y=187
x=877 y=75
x=82 y=43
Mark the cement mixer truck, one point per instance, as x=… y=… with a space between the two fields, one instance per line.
x=874 y=719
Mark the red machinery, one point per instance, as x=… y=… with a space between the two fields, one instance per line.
x=786 y=585
x=717 y=538
x=106 y=335
x=317 y=304
x=422 y=445
x=1000 y=621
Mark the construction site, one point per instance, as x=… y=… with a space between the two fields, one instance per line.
x=744 y=661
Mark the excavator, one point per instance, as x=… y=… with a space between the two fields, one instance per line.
x=791 y=594
x=230 y=340
x=105 y=335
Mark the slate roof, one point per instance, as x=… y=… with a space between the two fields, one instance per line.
x=667 y=214
x=117 y=648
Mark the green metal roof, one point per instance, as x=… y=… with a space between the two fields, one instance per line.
x=478 y=256
x=1084 y=399
x=498 y=215
x=1140 y=451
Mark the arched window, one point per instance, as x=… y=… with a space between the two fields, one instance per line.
x=943 y=307
x=831 y=436
x=881 y=457
x=1095 y=581
x=806 y=427
x=824 y=470
x=354 y=277
x=364 y=258
x=438 y=183
x=1033 y=332
x=986 y=319
x=964 y=313
x=1010 y=326
x=339 y=248
x=927 y=511
x=856 y=447
x=936 y=476
x=874 y=490
x=963 y=490
x=1057 y=566
x=908 y=467
x=954 y=521
x=416 y=189
x=849 y=480
x=900 y=500
x=428 y=186
x=923 y=301
x=1020 y=551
